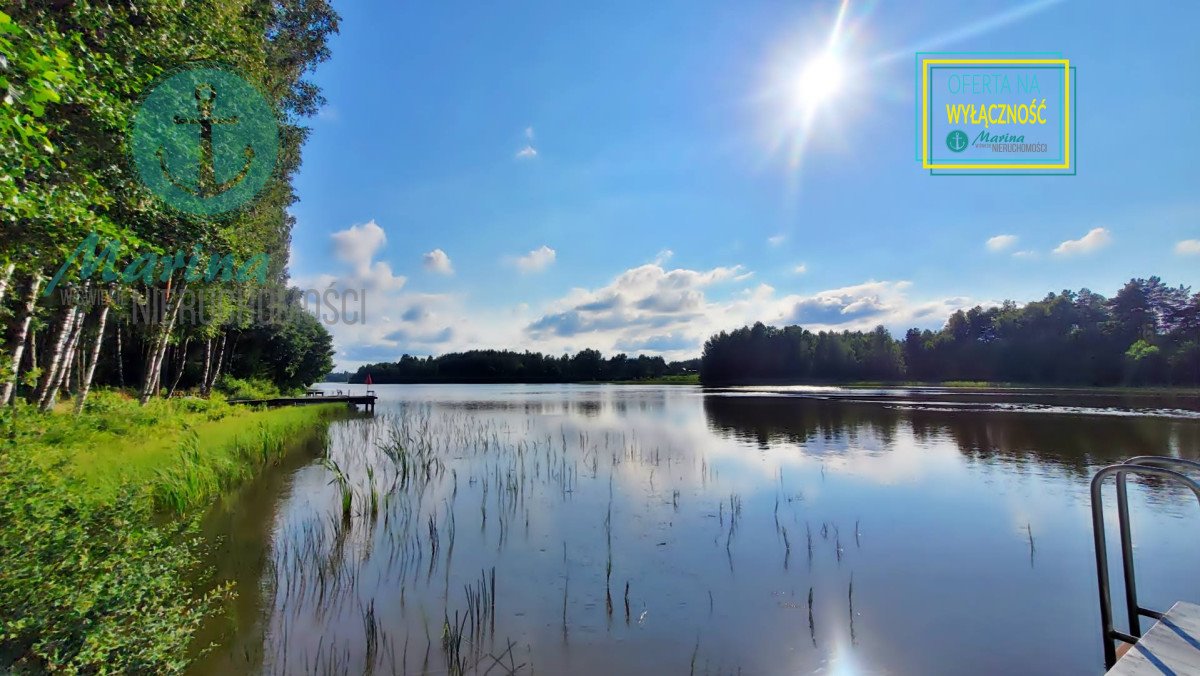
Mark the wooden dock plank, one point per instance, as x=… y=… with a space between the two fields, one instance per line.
x=1172 y=646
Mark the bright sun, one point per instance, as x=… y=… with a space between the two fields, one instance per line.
x=811 y=77
x=819 y=82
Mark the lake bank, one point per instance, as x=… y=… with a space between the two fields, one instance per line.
x=960 y=385
x=181 y=452
x=688 y=379
x=694 y=379
x=98 y=548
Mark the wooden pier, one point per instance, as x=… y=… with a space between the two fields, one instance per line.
x=1172 y=646
x=367 y=401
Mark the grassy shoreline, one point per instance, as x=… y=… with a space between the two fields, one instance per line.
x=181 y=453
x=689 y=379
x=98 y=515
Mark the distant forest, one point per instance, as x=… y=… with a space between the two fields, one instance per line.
x=1147 y=334
x=503 y=366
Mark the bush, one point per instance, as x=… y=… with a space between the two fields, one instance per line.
x=214 y=408
x=91 y=588
x=250 y=388
x=102 y=401
x=92 y=578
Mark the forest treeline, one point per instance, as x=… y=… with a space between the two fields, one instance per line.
x=74 y=73
x=1148 y=333
x=503 y=366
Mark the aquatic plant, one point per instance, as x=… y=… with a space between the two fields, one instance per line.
x=344 y=488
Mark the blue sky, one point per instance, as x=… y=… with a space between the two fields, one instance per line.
x=554 y=176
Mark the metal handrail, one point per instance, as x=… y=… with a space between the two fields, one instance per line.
x=1163 y=461
x=1146 y=465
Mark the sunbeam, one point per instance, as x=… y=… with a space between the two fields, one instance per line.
x=981 y=27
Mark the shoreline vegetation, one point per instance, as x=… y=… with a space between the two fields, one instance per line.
x=968 y=385
x=693 y=379
x=104 y=466
x=679 y=379
x=963 y=385
x=479 y=367
x=78 y=74
x=99 y=550
x=1146 y=335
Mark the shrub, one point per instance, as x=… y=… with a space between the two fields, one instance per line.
x=251 y=388
x=91 y=588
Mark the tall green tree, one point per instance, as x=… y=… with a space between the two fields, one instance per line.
x=74 y=74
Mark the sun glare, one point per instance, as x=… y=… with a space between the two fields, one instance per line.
x=809 y=82
x=820 y=81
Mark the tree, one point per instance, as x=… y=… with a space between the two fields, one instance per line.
x=74 y=74
x=1147 y=334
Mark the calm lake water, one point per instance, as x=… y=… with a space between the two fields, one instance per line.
x=647 y=530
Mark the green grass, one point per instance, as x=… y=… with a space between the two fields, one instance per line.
x=92 y=578
x=689 y=379
x=181 y=453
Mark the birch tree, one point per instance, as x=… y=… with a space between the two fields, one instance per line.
x=22 y=336
x=81 y=398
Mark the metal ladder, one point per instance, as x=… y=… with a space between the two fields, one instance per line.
x=1147 y=465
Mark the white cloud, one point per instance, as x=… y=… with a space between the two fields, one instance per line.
x=671 y=312
x=1096 y=239
x=357 y=247
x=358 y=244
x=378 y=305
x=1025 y=254
x=1188 y=247
x=329 y=113
x=1001 y=242
x=537 y=260
x=776 y=240
x=437 y=261
x=862 y=306
x=663 y=256
x=379 y=277
x=648 y=309
x=529 y=151
x=404 y=323
x=800 y=269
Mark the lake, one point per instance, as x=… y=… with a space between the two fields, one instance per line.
x=600 y=529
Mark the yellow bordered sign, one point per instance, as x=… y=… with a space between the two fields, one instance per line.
x=958 y=139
